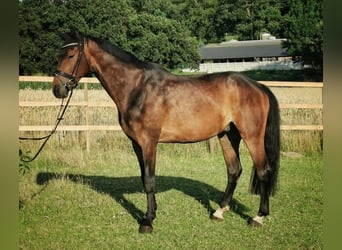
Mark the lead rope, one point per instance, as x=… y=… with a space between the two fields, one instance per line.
x=47 y=137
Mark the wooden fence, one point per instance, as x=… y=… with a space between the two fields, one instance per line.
x=86 y=104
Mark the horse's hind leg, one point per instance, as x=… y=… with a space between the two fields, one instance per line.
x=230 y=142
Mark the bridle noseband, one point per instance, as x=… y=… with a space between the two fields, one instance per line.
x=71 y=82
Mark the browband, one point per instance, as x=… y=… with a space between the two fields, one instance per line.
x=70 y=44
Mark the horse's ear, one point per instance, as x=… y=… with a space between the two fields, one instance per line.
x=74 y=33
x=63 y=36
x=68 y=35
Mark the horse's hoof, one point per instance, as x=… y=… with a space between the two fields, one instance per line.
x=145 y=229
x=255 y=224
x=215 y=218
x=256 y=221
x=218 y=215
x=145 y=226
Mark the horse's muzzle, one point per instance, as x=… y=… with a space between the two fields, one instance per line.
x=59 y=90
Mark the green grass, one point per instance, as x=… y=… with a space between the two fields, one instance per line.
x=71 y=200
x=305 y=75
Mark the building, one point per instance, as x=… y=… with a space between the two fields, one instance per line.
x=246 y=55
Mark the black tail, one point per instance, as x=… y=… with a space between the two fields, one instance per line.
x=272 y=146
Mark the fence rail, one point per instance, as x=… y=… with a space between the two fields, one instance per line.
x=90 y=80
x=86 y=80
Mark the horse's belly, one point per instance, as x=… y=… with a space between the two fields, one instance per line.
x=192 y=129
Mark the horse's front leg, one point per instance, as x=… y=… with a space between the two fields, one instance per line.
x=147 y=160
x=146 y=221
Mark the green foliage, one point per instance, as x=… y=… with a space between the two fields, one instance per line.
x=304 y=21
x=24 y=166
x=305 y=75
x=168 y=32
x=151 y=37
x=162 y=40
x=248 y=19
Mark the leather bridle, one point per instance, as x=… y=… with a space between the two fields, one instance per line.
x=71 y=82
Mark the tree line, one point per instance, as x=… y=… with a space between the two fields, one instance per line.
x=168 y=32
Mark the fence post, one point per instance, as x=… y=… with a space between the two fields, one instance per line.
x=86 y=99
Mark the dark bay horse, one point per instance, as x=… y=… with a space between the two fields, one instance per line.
x=156 y=106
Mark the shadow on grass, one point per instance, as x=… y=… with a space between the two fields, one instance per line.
x=117 y=187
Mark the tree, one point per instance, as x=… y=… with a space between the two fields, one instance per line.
x=247 y=19
x=304 y=24
x=160 y=35
x=161 y=39
x=166 y=31
x=39 y=24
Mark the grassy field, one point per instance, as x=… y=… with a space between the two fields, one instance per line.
x=71 y=200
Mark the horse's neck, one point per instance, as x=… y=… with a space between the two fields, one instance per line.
x=118 y=79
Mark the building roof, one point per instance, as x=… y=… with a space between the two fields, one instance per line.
x=243 y=49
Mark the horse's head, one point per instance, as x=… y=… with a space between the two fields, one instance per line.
x=72 y=65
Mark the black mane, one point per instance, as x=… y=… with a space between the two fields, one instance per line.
x=107 y=46
x=122 y=55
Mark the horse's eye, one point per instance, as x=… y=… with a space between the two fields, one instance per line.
x=71 y=56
